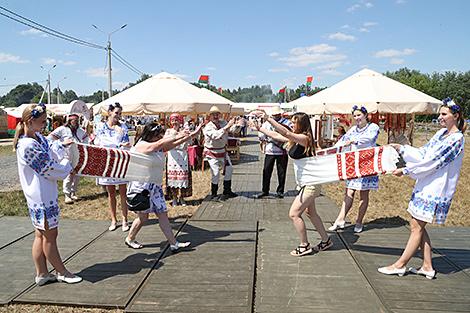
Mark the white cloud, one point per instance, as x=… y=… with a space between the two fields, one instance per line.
x=119 y=85
x=50 y=61
x=400 y=1
x=33 y=32
x=305 y=56
x=274 y=54
x=182 y=76
x=96 y=72
x=391 y=53
x=332 y=72
x=10 y=58
x=368 y=5
x=250 y=77
x=330 y=66
x=278 y=70
x=396 y=61
x=346 y=26
x=364 y=30
x=353 y=8
x=341 y=37
x=370 y=24
x=211 y=68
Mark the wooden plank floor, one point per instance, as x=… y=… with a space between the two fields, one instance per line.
x=214 y=275
x=111 y=271
x=17 y=267
x=22 y=227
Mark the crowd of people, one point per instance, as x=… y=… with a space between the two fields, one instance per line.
x=42 y=161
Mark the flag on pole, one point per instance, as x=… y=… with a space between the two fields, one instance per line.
x=204 y=79
x=282 y=90
x=309 y=81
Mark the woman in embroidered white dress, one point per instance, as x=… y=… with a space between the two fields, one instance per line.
x=363 y=135
x=178 y=175
x=114 y=134
x=436 y=169
x=152 y=143
x=40 y=165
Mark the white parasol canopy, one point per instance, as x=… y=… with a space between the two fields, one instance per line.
x=373 y=90
x=164 y=93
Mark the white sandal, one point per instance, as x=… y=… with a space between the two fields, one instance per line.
x=134 y=244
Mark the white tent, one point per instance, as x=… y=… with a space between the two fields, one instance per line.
x=76 y=106
x=164 y=93
x=373 y=90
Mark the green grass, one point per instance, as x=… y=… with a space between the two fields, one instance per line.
x=13 y=203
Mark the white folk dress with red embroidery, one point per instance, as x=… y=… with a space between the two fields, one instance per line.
x=177 y=166
x=364 y=137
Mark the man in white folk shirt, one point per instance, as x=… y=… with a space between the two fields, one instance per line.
x=71 y=130
x=215 y=142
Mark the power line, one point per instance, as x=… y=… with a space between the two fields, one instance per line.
x=126 y=63
x=48 y=30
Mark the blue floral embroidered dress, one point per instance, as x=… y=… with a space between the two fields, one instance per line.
x=40 y=165
x=157 y=198
x=364 y=137
x=436 y=169
x=111 y=137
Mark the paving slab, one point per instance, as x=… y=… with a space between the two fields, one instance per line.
x=329 y=281
x=17 y=267
x=378 y=247
x=111 y=271
x=214 y=275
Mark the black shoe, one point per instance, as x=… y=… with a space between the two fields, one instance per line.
x=261 y=195
x=280 y=195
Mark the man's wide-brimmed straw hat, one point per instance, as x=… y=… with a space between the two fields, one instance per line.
x=275 y=110
x=214 y=109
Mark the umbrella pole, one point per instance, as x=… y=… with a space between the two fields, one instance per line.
x=412 y=126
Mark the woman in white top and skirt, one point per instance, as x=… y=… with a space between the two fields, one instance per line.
x=436 y=169
x=114 y=134
x=40 y=164
x=363 y=135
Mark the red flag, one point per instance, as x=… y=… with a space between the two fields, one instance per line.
x=204 y=79
x=309 y=80
x=219 y=89
x=282 y=90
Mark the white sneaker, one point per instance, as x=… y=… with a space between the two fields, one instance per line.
x=358 y=228
x=337 y=225
x=182 y=202
x=125 y=226
x=68 y=200
x=69 y=280
x=112 y=227
x=393 y=271
x=428 y=274
x=42 y=280
x=74 y=197
x=179 y=245
x=134 y=244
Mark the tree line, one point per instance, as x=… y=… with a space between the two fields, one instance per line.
x=439 y=85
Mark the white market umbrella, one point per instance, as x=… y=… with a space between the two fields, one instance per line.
x=373 y=90
x=164 y=93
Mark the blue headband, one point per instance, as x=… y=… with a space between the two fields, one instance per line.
x=362 y=109
x=39 y=109
x=448 y=102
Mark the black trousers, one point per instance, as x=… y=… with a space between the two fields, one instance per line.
x=281 y=166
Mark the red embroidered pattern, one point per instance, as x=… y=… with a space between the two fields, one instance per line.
x=350 y=165
x=340 y=167
x=96 y=161
x=110 y=165
x=81 y=157
x=366 y=162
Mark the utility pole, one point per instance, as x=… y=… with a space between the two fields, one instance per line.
x=49 y=83
x=58 y=90
x=108 y=48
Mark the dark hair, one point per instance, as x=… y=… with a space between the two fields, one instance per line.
x=116 y=105
x=303 y=126
x=361 y=109
x=151 y=129
x=455 y=109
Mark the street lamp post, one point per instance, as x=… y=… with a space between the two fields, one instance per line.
x=58 y=89
x=49 y=82
x=108 y=48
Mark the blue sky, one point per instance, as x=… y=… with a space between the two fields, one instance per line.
x=237 y=43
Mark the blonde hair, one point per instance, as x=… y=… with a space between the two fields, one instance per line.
x=26 y=116
x=302 y=126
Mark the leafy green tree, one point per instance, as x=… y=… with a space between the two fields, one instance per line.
x=24 y=93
